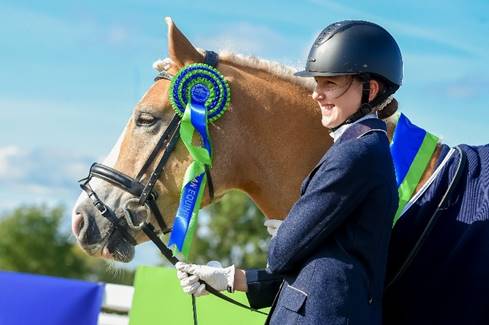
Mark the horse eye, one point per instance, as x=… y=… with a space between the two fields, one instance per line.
x=145 y=119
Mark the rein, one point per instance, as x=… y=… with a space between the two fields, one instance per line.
x=147 y=196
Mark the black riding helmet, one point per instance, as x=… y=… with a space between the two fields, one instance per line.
x=356 y=47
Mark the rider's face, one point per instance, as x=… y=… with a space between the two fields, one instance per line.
x=338 y=97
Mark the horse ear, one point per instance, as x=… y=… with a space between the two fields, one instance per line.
x=180 y=50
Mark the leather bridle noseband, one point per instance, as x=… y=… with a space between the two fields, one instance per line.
x=145 y=193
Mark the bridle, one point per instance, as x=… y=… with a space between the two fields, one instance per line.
x=146 y=194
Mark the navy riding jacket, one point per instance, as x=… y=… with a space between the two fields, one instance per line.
x=331 y=250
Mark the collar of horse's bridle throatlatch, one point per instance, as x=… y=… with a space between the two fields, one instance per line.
x=146 y=194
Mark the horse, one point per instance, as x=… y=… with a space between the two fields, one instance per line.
x=265 y=145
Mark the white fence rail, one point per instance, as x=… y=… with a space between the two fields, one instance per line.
x=116 y=305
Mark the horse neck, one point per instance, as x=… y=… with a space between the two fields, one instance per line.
x=277 y=140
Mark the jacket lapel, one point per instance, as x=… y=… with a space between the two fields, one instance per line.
x=355 y=131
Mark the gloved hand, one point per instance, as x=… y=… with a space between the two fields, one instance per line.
x=272 y=226
x=216 y=276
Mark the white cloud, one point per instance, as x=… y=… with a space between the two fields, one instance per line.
x=8 y=170
x=466 y=87
x=244 y=38
x=423 y=32
x=41 y=175
x=40 y=166
x=75 y=29
x=117 y=34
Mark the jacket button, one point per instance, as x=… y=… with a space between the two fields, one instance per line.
x=370 y=300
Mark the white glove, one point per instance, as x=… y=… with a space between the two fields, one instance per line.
x=216 y=276
x=272 y=226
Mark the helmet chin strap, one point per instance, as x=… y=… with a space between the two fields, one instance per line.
x=365 y=107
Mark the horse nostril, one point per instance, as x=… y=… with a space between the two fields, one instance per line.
x=86 y=230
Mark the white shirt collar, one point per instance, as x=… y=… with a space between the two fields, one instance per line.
x=339 y=132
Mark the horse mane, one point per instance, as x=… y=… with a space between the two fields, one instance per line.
x=276 y=69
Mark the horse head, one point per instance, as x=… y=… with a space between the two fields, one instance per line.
x=262 y=145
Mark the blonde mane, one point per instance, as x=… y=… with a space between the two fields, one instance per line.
x=277 y=69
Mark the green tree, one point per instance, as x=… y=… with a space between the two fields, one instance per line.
x=231 y=231
x=31 y=241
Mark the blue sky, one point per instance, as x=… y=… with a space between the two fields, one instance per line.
x=71 y=71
